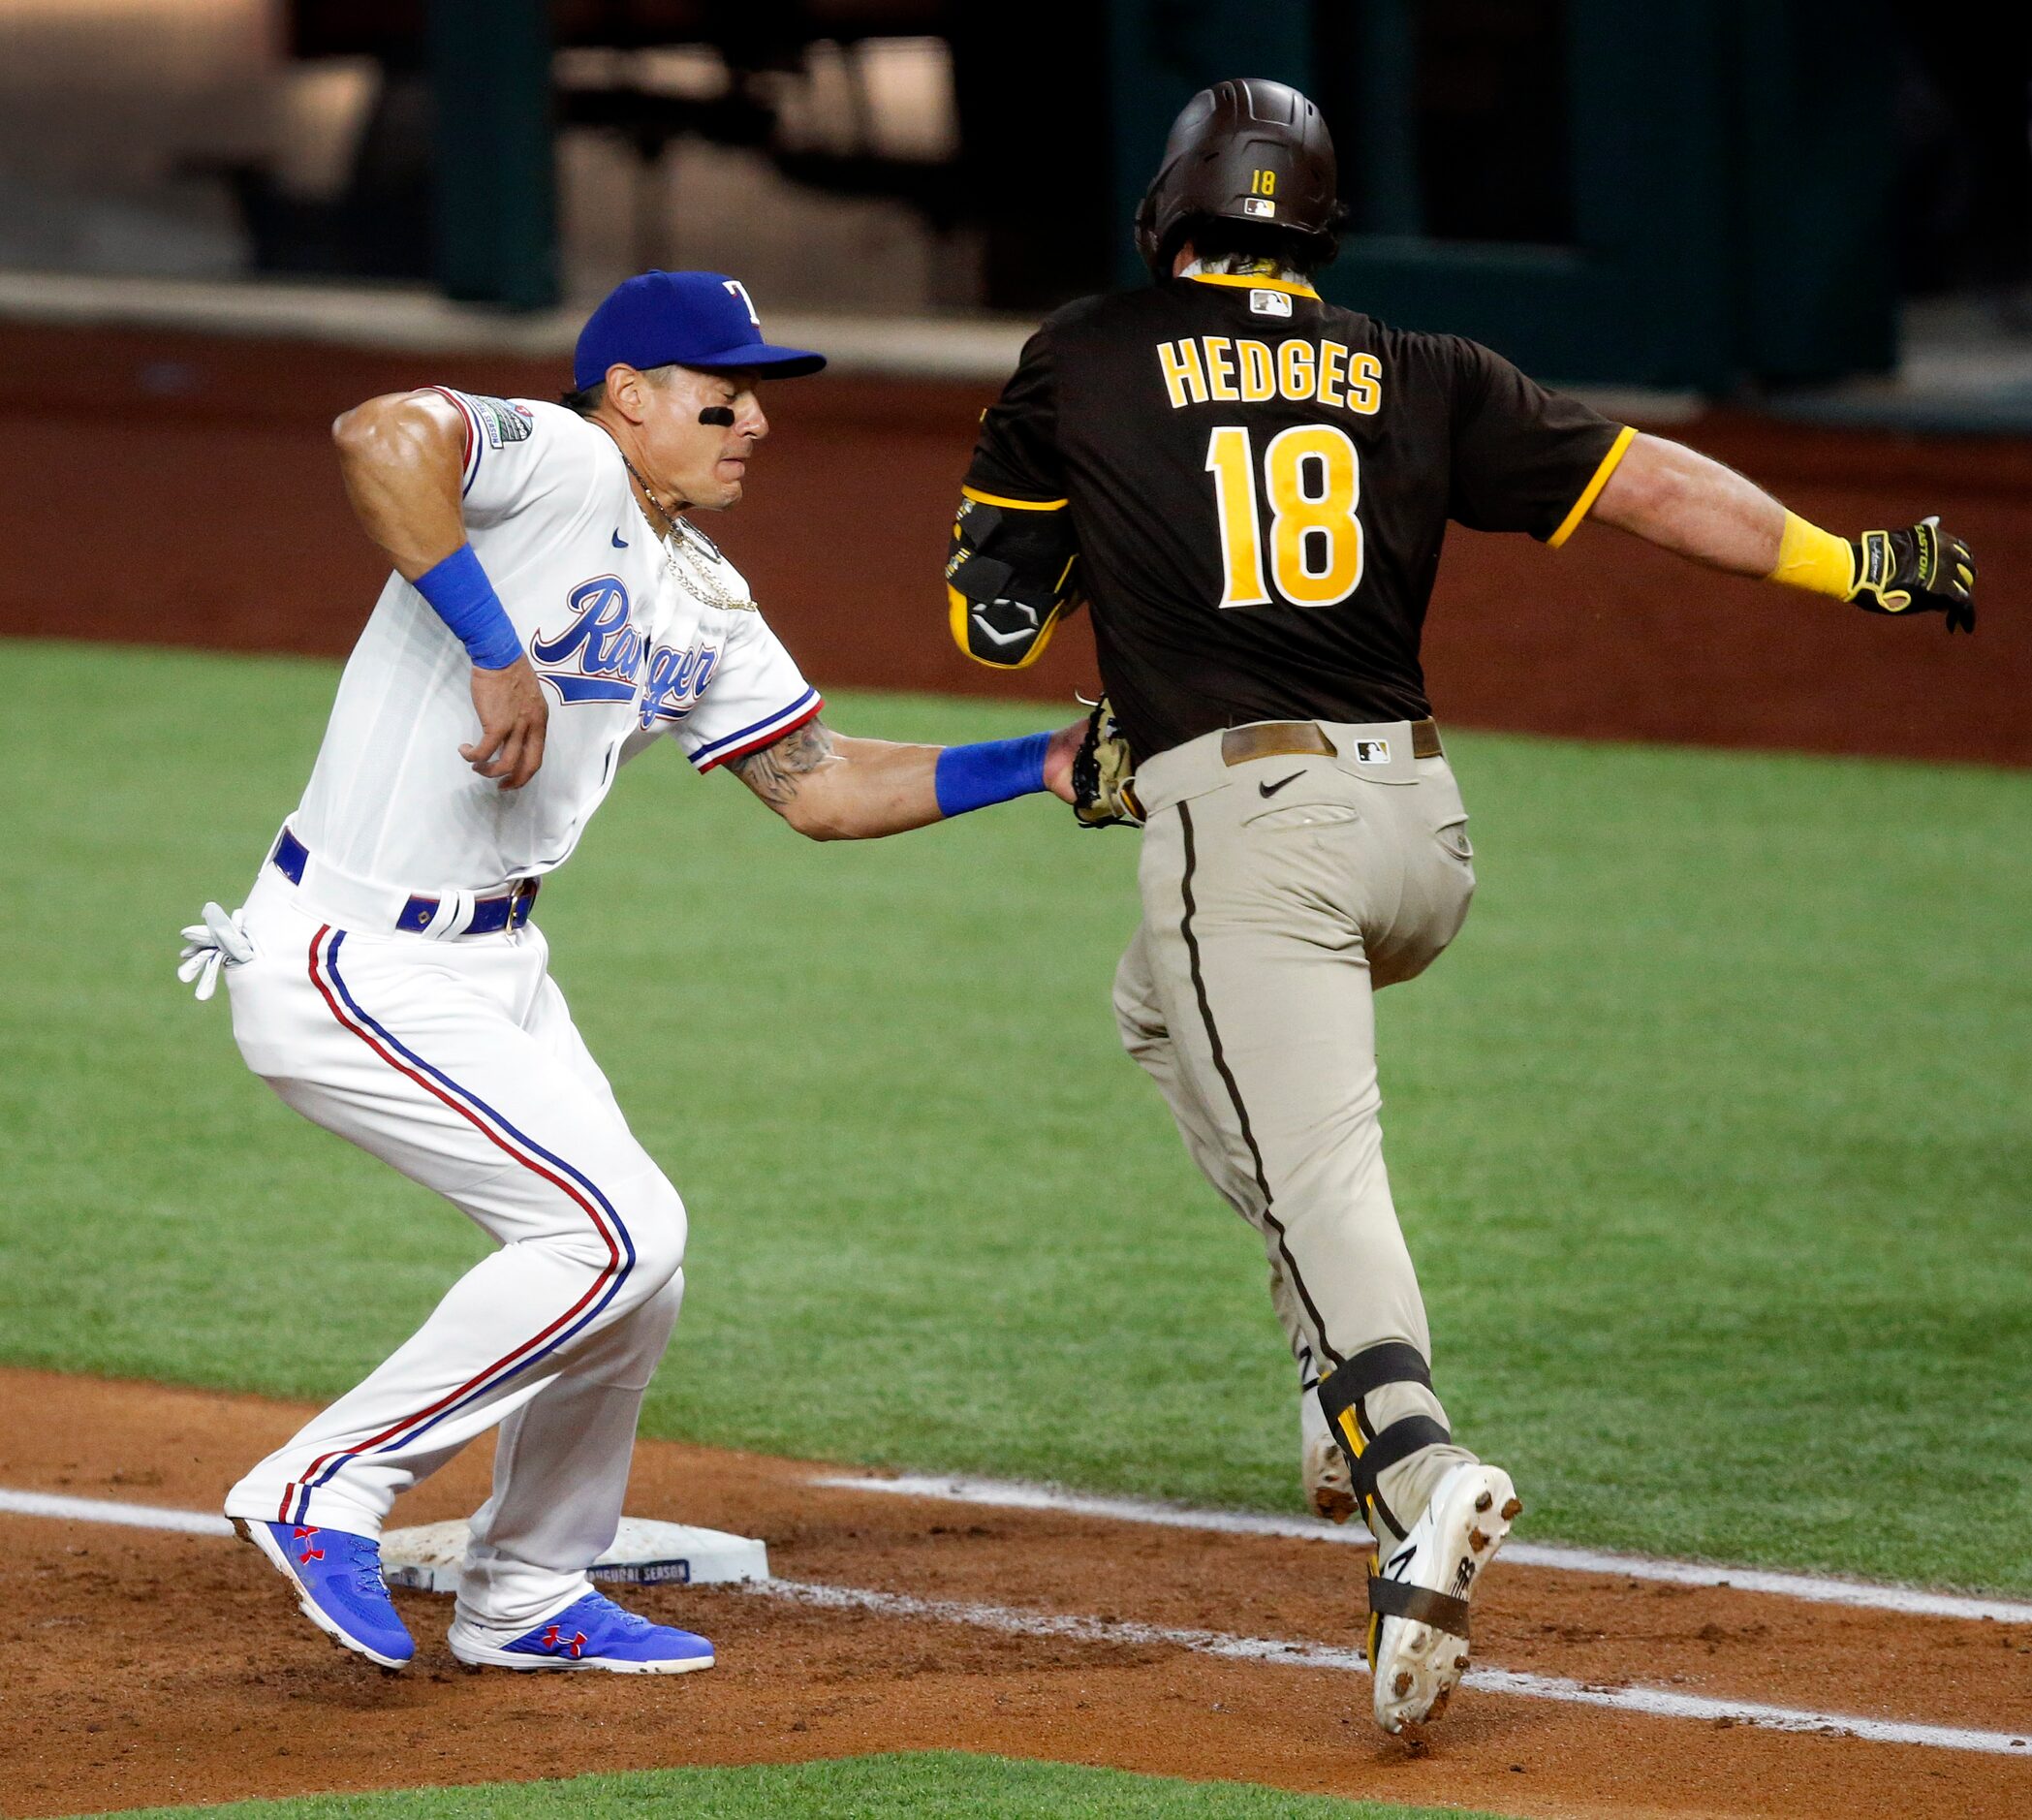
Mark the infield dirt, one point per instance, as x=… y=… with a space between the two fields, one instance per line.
x=160 y=1667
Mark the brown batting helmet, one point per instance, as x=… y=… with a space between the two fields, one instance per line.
x=1249 y=151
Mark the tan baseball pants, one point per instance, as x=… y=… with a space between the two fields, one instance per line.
x=1288 y=871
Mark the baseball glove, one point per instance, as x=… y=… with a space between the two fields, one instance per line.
x=1104 y=775
x=1925 y=570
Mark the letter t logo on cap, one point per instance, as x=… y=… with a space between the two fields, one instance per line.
x=740 y=290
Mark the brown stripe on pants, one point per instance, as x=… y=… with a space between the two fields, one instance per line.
x=1269 y=920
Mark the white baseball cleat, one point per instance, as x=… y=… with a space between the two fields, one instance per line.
x=1323 y=1463
x=1419 y=1595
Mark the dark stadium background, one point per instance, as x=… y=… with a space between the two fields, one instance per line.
x=1801 y=234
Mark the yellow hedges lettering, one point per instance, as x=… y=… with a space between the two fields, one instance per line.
x=1294 y=369
x=1364 y=385
x=1259 y=371
x=1184 y=378
x=1218 y=369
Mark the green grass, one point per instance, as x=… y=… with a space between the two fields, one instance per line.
x=926 y=1785
x=1709 y=1137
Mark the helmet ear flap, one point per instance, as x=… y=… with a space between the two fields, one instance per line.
x=1165 y=205
x=1146 y=244
x=1160 y=248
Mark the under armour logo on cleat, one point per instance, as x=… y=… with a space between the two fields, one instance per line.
x=554 y=1640
x=309 y=1554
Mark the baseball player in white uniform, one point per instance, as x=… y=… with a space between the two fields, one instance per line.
x=551 y=614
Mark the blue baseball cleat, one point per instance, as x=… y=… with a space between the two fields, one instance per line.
x=338 y=1582
x=591 y=1633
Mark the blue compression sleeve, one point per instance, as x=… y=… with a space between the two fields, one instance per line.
x=971 y=776
x=464 y=599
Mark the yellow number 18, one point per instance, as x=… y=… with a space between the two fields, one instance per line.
x=1312 y=478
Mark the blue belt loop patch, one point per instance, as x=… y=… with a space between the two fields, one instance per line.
x=416 y=914
x=290 y=857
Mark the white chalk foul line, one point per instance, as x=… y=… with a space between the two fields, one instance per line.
x=1006 y=1494
x=1653 y=1702
x=1658 y=1702
x=1013 y=1495
x=98 y=1510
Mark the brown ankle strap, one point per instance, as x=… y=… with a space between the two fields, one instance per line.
x=1392 y=1598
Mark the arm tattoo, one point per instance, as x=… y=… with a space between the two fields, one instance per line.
x=776 y=772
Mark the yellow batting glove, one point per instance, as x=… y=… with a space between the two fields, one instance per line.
x=1924 y=570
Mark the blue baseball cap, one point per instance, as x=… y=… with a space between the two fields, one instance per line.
x=695 y=318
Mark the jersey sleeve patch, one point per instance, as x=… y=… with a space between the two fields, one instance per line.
x=489 y=424
x=503 y=420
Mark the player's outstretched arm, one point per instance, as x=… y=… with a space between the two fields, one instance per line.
x=402 y=457
x=1684 y=501
x=833 y=787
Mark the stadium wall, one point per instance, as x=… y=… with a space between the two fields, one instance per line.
x=180 y=488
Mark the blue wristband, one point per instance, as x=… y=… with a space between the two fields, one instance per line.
x=971 y=776
x=464 y=599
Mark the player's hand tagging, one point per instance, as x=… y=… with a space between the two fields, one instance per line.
x=514 y=719
x=1060 y=758
x=1925 y=570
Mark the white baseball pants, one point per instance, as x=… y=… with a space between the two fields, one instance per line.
x=456 y=1061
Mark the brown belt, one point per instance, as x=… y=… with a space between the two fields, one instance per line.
x=1282 y=738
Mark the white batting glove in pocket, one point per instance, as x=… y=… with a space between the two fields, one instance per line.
x=220 y=940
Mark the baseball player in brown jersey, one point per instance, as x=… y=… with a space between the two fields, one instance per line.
x=1251 y=487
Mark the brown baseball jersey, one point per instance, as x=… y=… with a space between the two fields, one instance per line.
x=1258 y=485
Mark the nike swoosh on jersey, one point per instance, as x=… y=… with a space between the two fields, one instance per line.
x=1271 y=790
x=620 y=541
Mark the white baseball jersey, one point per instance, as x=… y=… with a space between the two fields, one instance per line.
x=624 y=650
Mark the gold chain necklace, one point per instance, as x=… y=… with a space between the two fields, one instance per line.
x=694 y=571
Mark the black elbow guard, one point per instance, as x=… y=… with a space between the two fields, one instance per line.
x=1009 y=577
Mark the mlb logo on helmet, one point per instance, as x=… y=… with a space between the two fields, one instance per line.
x=1259 y=205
